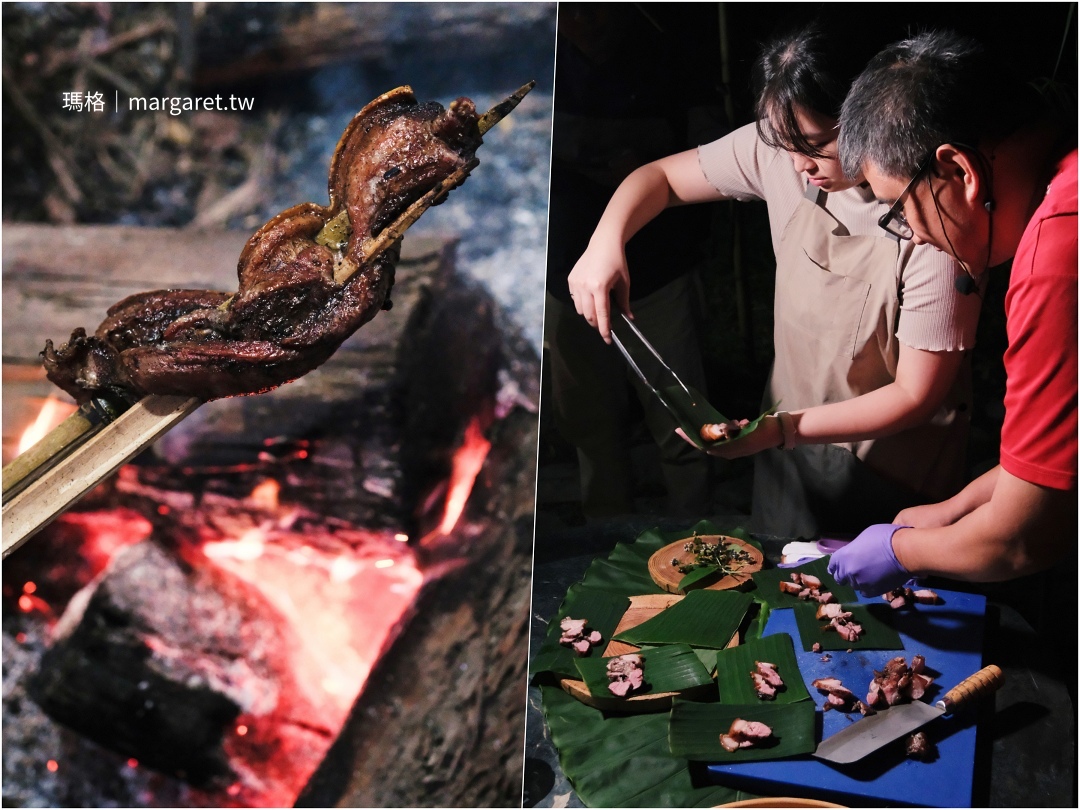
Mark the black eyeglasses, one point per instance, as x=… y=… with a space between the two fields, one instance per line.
x=893 y=220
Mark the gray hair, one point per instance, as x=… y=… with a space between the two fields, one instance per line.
x=932 y=88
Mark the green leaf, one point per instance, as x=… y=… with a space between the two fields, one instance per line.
x=672 y=668
x=700 y=619
x=757 y=627
x=602 y=611
x=691 y=412
x=706 y=572
x=695 y=728
x=615 y=760
x=734 y=665
x=623 y=760
x=875 y=619
x=768 y=584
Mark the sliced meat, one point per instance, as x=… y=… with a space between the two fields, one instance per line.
x=625 y=673
x=744 y=734
x=577 y=636
x=919 y=746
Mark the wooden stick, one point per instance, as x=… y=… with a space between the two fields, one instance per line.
x=101 y=454
x=57 y=443
x=336 y=232
x=56 y=489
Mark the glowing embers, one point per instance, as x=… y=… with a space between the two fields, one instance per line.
x=343 y=601
x=248 y=601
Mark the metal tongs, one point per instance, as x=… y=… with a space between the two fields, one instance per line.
x=637 y=369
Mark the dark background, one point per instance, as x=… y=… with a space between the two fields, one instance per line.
x=662 y=67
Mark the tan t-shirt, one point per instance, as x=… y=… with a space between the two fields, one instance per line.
x=933 y=315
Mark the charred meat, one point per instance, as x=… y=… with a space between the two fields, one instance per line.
x=838 y=696
x=919 y=746
x=904 y=597
x=289 y=314
x=898 y=683
x=806 y=587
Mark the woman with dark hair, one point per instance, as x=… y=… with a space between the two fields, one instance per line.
x=870 y=333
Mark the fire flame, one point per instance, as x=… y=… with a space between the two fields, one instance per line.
x=52 y=413
x=265 y=495
x=468 y=461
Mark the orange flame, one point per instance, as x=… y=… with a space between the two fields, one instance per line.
x=265 y=495
x=52 y=413
x=468 y=461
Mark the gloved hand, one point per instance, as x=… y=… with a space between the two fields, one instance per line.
x=868 y=562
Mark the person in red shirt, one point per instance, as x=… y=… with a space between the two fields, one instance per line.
x=955 y=144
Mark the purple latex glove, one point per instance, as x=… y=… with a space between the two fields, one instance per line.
x=868 y=562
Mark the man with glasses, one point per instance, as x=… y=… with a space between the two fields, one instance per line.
x=971 y=164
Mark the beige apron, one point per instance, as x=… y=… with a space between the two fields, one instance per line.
x=835 y=315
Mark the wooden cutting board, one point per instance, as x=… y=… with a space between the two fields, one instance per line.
x=664 y=570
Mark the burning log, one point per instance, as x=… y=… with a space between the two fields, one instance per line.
x=429 y=412
x=158 y=662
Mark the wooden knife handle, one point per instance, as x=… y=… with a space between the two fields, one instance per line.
x=987 y=680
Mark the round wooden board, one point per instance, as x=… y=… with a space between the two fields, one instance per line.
x=781 y=802
x=642 y=608
x=668 y=577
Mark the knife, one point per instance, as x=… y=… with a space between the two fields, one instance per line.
x=872 y=732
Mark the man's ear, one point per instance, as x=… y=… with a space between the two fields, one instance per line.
x=956 y=165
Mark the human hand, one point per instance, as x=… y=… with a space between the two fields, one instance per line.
x=599 y=272
x=868 y=563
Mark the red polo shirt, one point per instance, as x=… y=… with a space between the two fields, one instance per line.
x=1038 y=438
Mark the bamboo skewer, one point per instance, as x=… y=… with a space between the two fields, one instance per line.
x=97 y=457
x=93 y=442
x=61 y=440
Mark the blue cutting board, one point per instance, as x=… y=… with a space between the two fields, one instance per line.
x=950 y=636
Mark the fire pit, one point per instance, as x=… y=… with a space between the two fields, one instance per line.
x=289 y=589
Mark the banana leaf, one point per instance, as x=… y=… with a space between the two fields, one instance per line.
x=768 y=584
x=624 y=760
x=701 y=619
x=673 y=668
x=691 y=412
x=702 y=576
x=626 y=568
x=733 y=668
x=616 y=760
x=603 y=612
x=694 y=730
x=875 y=620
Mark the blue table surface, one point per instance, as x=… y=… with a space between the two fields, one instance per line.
x=950 y=636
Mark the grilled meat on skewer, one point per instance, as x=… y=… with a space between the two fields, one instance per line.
x=289 y=314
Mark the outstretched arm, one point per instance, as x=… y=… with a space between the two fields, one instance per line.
x=601 y=270
x=923 y=379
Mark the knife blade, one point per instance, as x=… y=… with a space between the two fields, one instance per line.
x=872 y=732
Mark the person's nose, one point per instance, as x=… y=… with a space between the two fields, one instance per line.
x=802 y=163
